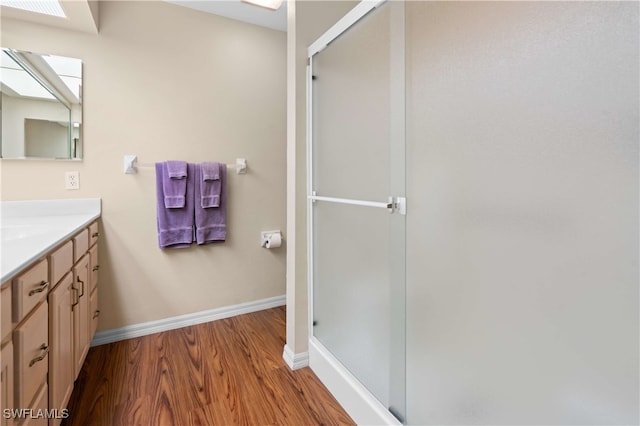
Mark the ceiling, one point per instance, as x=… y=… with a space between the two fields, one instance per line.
x=236 y=9
x=83 y=14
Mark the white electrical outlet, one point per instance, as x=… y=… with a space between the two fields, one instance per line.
x=72 y=180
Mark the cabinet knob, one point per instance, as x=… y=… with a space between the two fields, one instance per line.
x=95 y=268
x=96 y=314
x=95 y=235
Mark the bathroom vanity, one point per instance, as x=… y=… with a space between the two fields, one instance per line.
x=48 y=304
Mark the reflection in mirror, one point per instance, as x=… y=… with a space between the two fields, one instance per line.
x=41 y=106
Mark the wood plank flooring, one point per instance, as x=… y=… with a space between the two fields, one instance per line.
x=226 y=372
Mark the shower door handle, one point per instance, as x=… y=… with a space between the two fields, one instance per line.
x=393 y=204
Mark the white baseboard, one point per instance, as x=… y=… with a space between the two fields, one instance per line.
x=357 y=401
x=293 y=360
x=151 y=327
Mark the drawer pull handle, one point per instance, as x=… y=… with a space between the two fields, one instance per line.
x=95 y=235
x=81 y=282
x=40 y=289
x=96 y=314
x=95 y=268
x=45 y=350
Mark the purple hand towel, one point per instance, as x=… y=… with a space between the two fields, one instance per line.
x=211 y=223
x=174 y=184
x=210 y=189
x=175 y=225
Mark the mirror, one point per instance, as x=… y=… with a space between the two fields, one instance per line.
x=41 y=106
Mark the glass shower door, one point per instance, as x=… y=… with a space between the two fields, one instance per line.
x=356 y=201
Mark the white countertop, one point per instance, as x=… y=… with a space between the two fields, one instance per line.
x=30 y=229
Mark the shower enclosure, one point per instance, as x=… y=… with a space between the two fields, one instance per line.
x=357 y=200
x=473 y=212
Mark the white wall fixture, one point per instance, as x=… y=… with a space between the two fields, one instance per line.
x=72 y=180
x=130 y=163
x=241 y=166
x=271 y=239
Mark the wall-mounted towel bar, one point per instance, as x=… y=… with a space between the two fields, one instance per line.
x=131 y=165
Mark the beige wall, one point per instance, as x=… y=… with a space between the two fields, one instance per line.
x=166 y=82
x=307 y=21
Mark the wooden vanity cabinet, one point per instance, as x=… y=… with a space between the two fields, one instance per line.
x=48 y=316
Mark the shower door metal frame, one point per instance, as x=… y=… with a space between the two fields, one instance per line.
x=395 y=205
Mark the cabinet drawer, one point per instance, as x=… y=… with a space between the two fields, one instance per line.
x=40 y=405
x=29 y=289
x=94 y=233
x=60 y=262
x=31 y=340
x=80 y=244
x=5 y=312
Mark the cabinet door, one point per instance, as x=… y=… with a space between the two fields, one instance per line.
x=81 y=317
x=95 y=313
x=95 y=267
x=6 y=382
x=61 y=360
x=93 y=301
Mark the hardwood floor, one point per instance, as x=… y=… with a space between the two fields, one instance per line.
x=224 y=372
